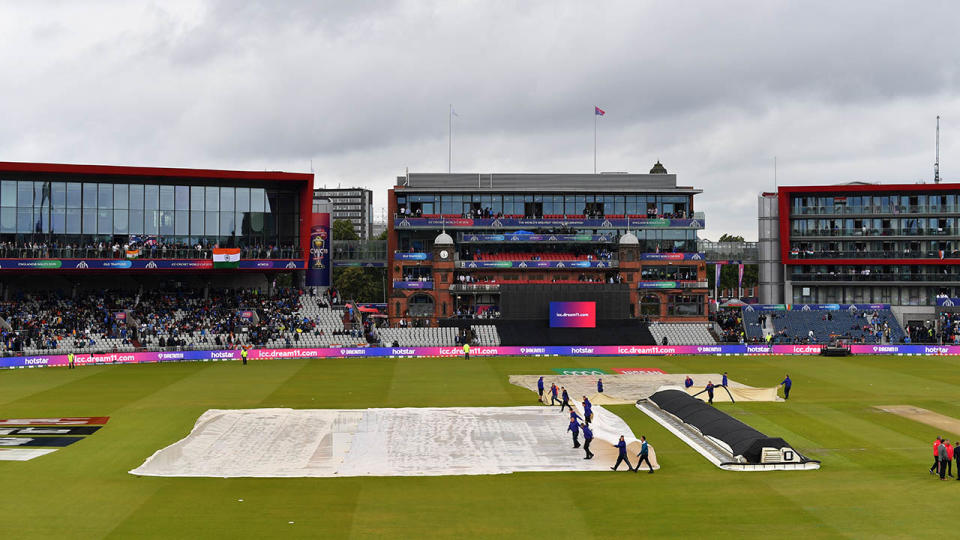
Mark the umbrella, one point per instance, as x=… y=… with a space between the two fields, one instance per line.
x=733 y=302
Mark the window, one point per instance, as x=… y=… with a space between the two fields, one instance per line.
x=8 y=193
x=226 y=199
x=181 y=197
x=166 y=198
x=105 y=197
x=151 y=197
x=136 y=197
x=213 y=199
x=196 y=198
x=121 y=196
x=650 y=305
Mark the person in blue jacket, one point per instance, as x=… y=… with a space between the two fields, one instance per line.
x=710 y=392
x=643 y=455
x=786 y=384
x=566 y=399
x=587 y=409
x=688 y=382
x=724 y=383
x=600 y=386
x=622 y=456
x=540 y=388
x=587 y=437
x=553 y=394
x=575 y=428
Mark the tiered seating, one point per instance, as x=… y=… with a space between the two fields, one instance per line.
x=419 y=337
x=487 y=335
x=682 y=333
x=795 y=326
x=751 y=322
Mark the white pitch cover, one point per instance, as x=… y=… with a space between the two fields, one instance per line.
x=23 y=454
x=385 y=442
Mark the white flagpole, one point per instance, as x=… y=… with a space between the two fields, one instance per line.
x=450 y=139
x=594 y=140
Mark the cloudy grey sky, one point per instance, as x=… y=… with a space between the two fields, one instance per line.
x=838 y=91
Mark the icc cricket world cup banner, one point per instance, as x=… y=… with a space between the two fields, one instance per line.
x=318 y=266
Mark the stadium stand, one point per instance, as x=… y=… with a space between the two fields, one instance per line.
x=682 y=334
x=825 y=326
x=752 y=327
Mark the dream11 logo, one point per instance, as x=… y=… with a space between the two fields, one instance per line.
x=573 y=314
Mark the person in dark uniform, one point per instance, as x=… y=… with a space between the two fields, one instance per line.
x=688 y=382
x=710 y=392
x=540 y=388
x=587 y=437
x=643 y=455
x=622 y=456
x=956 y=456
x=566 y=399
x=575 y=428
x=599 y=386
x=724 y=383
x=943 y=459
x=243 y=355
x=587 y=409
x=786 y=384
x=553 y=394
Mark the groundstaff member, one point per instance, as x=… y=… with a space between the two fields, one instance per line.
x=566 y=400
x=710 y=392
x=622 y=455
x=587 y=409
x=587 y=437
x=540 y=388
x=599 y=386
x=786 y=384
x=574 y=427
x=644 y=455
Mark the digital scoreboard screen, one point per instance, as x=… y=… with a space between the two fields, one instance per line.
x=573 y=314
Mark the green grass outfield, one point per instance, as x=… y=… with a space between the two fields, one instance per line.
x=873 y=482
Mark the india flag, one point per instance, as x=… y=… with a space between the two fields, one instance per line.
x=226 y=257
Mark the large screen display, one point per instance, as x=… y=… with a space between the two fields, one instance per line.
x=573 y=314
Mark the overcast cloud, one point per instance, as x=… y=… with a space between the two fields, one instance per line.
x=837 y=91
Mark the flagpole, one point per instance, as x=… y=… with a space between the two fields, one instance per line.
x=450 y=139
x=594 y=141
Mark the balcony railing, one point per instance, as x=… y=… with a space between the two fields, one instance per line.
x=474 y=287
x=933 y=255
x=890 y=209
x=873 y=233
x=875 y=277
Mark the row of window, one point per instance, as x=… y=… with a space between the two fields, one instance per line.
x=934 y=226
x=876 y=249
x=875 y=204
x=163 y=222
x=551 y=204
x=860 y=294
x=90 y=195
